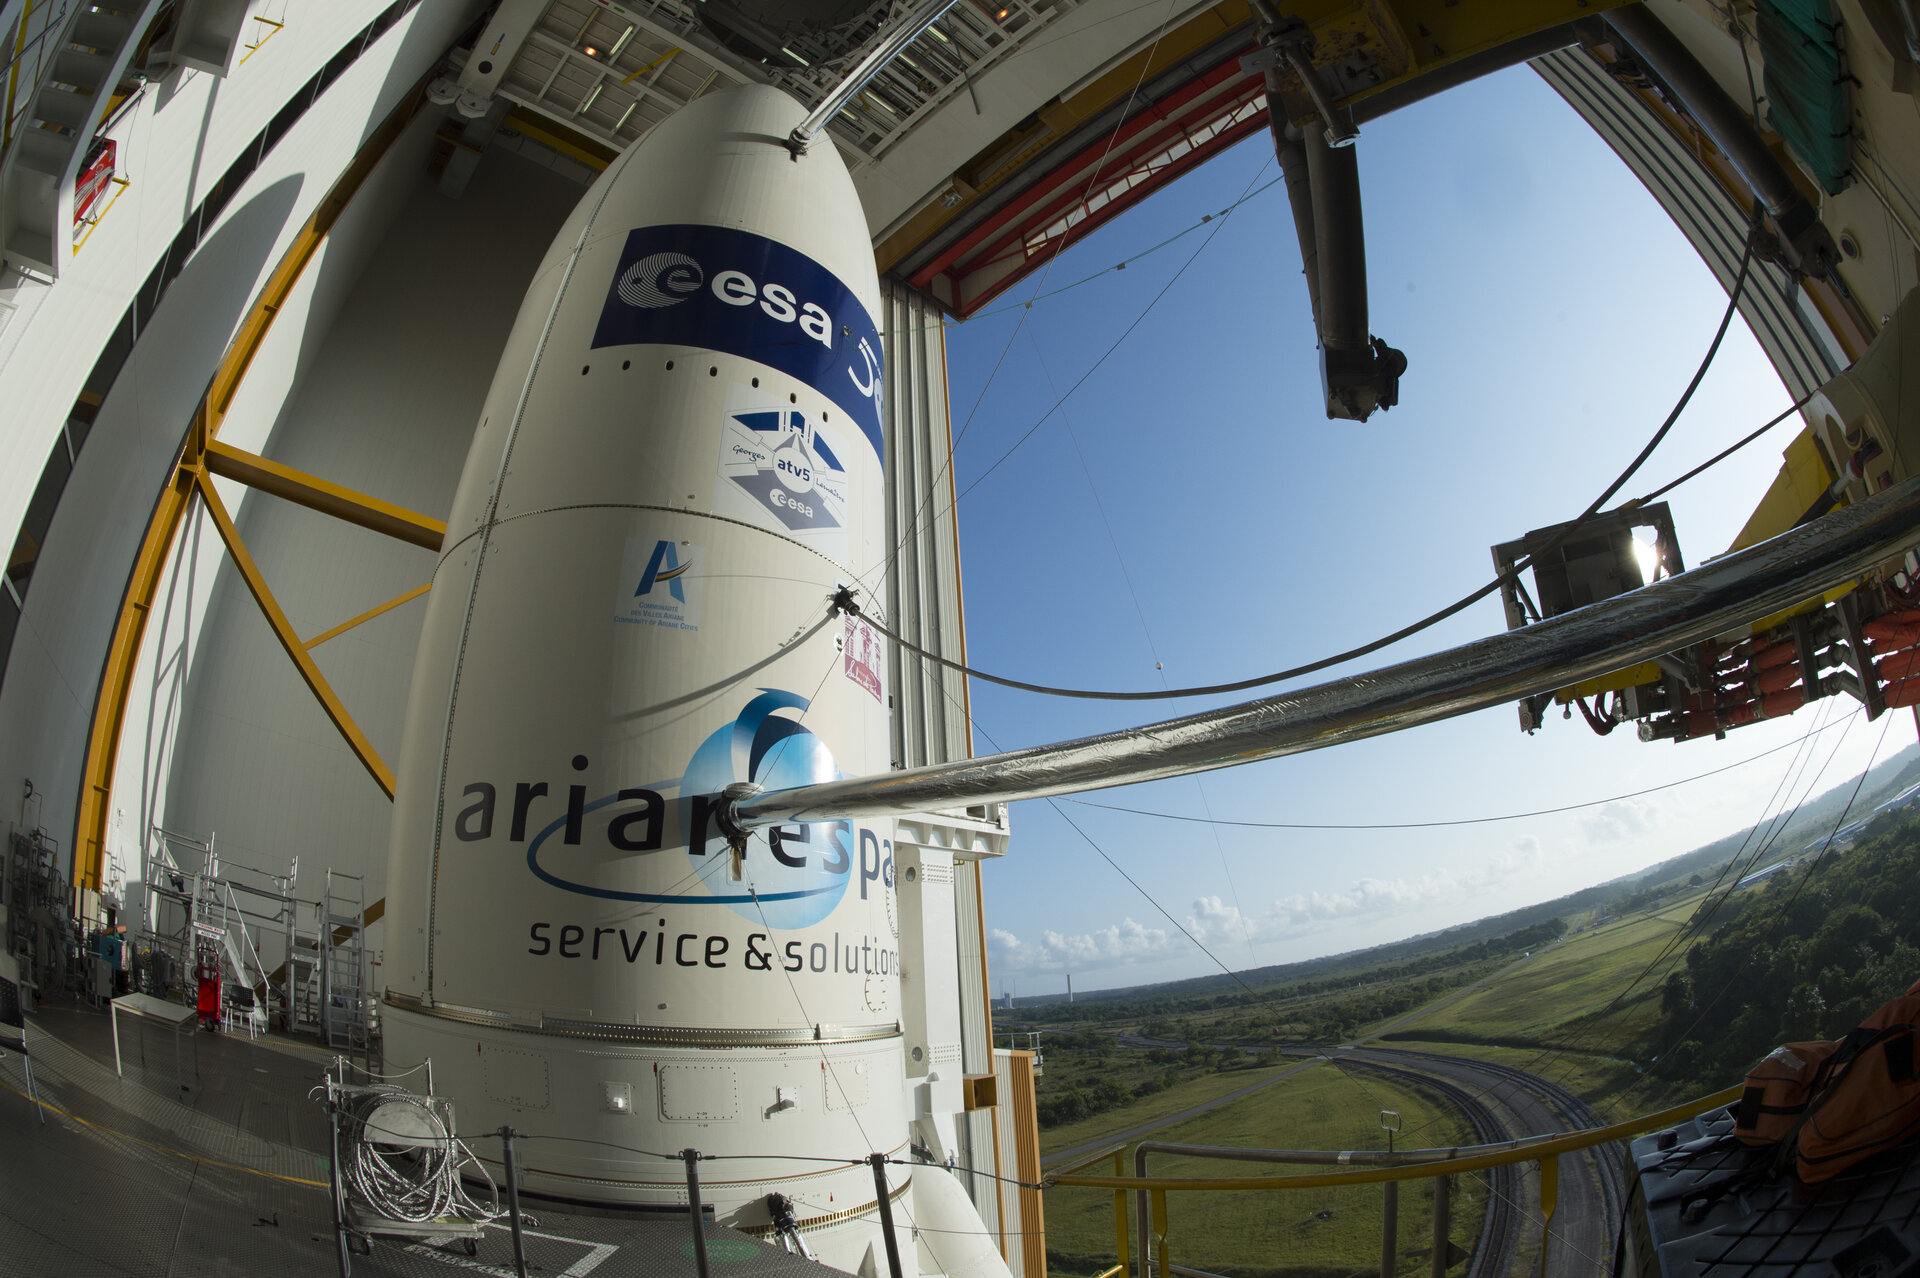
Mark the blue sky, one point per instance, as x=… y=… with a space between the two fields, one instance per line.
x=1191 y=506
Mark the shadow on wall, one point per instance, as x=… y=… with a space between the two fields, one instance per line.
x=54 y=657
x=395 y=358
x=53 y=671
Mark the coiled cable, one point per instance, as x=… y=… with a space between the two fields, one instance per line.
x=410 y=1175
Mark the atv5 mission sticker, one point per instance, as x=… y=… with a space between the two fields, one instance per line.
x=784 y=471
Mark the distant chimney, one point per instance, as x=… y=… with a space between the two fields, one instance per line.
x=1069 y=987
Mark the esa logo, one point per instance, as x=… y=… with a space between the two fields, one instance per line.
x=776 y=301
x=660 y=279
x=730 y=291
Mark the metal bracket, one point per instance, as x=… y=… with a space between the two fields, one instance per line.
x=1870 y=693
x=736 y=834
x=1290 y=44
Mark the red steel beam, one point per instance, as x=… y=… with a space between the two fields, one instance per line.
x=1155 y=128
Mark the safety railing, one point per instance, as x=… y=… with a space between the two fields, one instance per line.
x=1380 y=1167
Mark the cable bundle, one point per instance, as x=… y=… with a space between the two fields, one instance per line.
x=405 y=1161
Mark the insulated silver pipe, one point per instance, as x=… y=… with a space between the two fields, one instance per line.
x=1665 y=617
x=918 y=20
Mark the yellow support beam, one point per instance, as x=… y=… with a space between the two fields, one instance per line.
x=594 y=155
x=283 y=630
x=170 y=511
x=368 y=615
x=324 y=495
x=123 y=653
x=1549 y=1200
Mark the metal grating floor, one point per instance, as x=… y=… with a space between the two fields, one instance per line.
x=1865 y=1224
x=225 y=1174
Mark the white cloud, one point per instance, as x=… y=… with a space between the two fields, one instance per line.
x=1123 y=943
x=1621 y=820
x=1211 y=919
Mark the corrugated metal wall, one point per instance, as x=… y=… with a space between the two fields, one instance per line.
x=930 y=703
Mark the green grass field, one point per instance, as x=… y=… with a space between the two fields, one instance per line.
x=1195 y=1091
x=1560 y=1013
x=1563 y=1015
x=1301 y=1234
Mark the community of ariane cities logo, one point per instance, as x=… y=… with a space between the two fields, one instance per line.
x=655 y=588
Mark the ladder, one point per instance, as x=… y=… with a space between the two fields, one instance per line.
x=186 y=883
x=343 y=965
x=304 y=975
x=300 y=978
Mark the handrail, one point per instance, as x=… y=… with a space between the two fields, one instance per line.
x=1386 y=1167
x=1510 y=1152
x=1105 y=1153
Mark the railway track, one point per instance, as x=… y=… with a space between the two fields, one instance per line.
x=1497 y=1247
x=1499 y=1103
x=1521 y=1103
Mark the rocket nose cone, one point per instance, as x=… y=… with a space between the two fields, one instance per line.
x=756 y=113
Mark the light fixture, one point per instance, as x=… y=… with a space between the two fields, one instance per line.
x=1647 y=555
x=590 y=51
x=1002 y=15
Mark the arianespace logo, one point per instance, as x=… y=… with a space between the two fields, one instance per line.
x=654 y=587
x=660 y=280
x=743 y=294
x=792 y=877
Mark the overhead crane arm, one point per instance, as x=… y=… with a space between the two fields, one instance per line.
x=1358 y=372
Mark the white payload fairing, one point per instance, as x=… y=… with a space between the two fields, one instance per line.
x=679 y=462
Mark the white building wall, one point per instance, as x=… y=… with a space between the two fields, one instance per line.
x=177 y=142
x=929 y=703
x=386 y=404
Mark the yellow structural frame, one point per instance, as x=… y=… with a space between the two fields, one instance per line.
x=201 y=456
x=283 y=630
x=322 y=495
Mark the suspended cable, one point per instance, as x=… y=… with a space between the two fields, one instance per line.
x=1131 y=881
x=946 y=463
x=1047 y=270
x=1727 y=452
x=1781 y=916
x=1124 y=263
x=1735 y=868
x=1428 y=825
x=1153 y=649
x=1340 y=658
x=1104 y=355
